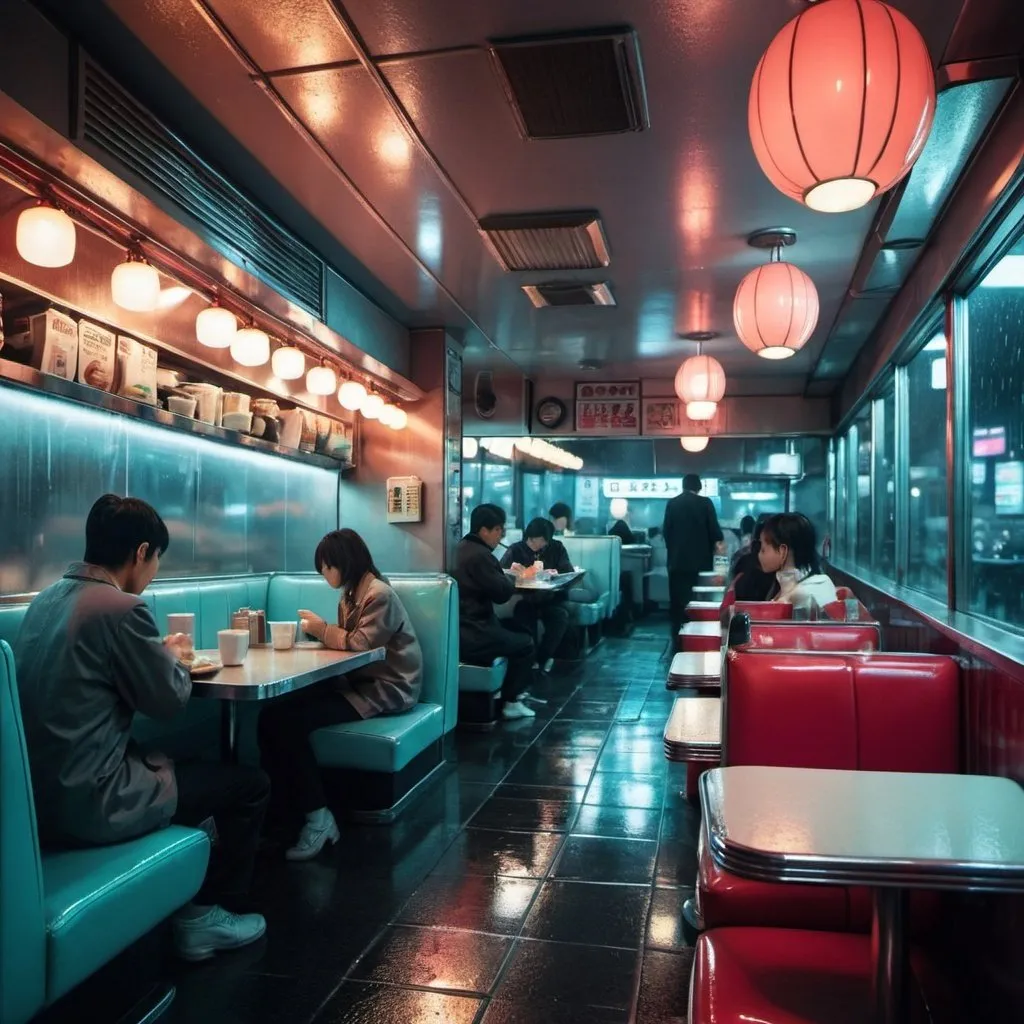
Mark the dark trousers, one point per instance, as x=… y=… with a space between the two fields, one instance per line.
x=286 y=752
x=553 y=615
x=235 y=797
x=481 y=645
x=680 y=592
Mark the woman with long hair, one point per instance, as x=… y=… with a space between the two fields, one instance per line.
x=789 y=548
x=370 y=615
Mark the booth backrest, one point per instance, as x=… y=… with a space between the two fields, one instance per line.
x=11 y=616
x=602 y=558
x=816 y=636
x=432 y=603
x=212 y=601
x=872 y=712
x=22 y=922
x=764 y=611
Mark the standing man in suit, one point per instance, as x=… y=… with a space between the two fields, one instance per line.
x=692 y=535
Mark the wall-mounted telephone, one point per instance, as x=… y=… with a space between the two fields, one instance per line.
x=405 y=499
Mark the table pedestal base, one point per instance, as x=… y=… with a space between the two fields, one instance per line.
x=229 y=731
x=890 y=956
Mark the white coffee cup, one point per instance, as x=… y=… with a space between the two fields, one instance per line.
x=233 y=645
x=282 y=635
x=182 y=622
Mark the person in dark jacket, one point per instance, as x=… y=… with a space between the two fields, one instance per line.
x=692 y=535
x=89 y=657
x=549 y=609
x=483 y=584
x=749 y=581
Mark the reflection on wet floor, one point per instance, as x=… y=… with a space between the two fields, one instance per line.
x=540 y=880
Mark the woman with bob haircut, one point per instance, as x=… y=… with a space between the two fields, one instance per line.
x=370 y=615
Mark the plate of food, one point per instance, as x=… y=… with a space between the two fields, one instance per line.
x=201 y=666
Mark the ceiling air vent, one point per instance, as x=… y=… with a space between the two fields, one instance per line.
x=547 y=241
x=569 y=293
x=565 y=86
x=115 y=127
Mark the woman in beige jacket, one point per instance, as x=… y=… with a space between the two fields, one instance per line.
x=370 y=615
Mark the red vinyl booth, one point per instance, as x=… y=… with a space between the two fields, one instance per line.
x=869 y=712
x=798 y=636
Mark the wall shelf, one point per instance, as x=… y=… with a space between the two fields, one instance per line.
x=29 y=379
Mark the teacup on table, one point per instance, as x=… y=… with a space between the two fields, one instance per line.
x=282 y=635
x=182 y=622
x=233 y=645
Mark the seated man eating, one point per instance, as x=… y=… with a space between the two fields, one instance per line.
x=538 y=546
x=89 y=656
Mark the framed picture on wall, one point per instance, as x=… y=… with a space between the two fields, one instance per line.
x=666 y=417
x=608 y=407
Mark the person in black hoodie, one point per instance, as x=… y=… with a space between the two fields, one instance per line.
x=483 y=584
x=749 y=580
x=538 y=543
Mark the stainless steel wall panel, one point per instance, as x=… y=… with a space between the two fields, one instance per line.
x=228 y=511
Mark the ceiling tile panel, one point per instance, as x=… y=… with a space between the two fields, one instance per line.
x=285 y=33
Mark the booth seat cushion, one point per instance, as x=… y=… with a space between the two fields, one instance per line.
x=98 y=901
x=586 y=613
x=211 y=601
x=482 y=679
x=764 y=611
x=383 y=744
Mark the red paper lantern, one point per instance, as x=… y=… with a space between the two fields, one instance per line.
x=841 y=104
x=700 y=383
x=775 y=310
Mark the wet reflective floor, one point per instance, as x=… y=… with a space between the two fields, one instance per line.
x=540 y=880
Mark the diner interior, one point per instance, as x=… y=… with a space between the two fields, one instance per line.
x=287 y=268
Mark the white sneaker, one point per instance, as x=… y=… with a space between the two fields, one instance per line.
x=198 y=938
x=517 y=709
x=313 y=838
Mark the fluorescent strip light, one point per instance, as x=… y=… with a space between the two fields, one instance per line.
x=1007 y=273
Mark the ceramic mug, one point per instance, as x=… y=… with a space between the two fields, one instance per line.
x=233 y=645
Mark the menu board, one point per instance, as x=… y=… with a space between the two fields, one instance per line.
x=608 y=407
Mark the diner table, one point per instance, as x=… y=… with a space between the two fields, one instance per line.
x=560 y=582
x=695 y=670
x=708 y=592
x=891 y=831
x=266 y=674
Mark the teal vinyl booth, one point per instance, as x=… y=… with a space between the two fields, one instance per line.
x=65 y=914
x=377 y=764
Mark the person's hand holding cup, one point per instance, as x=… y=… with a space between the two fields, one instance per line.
x=180 y=645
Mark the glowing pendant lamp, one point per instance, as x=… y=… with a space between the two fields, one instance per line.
x=251 y=347
x=351 y=395
x=700 y=383
x=135 y=284
x=775 y=309
x=321 y=380
x=372 y=406
x=693 y=444
x=399 y=419
x=45 y=236
x=288 y=363
x=216 y=327
x=841 y=104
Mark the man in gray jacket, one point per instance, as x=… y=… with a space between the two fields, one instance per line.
x=89 y=656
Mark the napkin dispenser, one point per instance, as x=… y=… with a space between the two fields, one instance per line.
x=254 y=620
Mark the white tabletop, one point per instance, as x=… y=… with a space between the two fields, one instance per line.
x=869 y=828
x=551 y=582
x=701 y=629
x=267 y=673
x=694 y=729
x=704 y=606
x=702 y=665
x=708 y=593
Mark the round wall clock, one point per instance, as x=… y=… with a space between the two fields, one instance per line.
x=550 y=412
